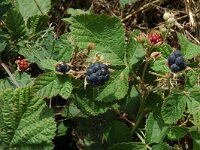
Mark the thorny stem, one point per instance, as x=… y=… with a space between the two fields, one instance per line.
x=12 y=78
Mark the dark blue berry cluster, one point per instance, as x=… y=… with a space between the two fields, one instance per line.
x=97 y=74
x=176 y=61
x=62 y=68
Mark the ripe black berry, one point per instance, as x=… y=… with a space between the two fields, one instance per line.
x=62 y=67
x=176 y=61
x=97 y=74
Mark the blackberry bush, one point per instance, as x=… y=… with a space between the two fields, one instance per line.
x=97 y=74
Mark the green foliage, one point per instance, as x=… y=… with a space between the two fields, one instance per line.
x=26 y=122
x=49 y=85
x=155 y=129
x=189 y=49
x=174 y=105
x=15 y=24
x=142 y=106
x=32 y=8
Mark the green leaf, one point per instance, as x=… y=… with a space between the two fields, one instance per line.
x=135 y=51
x=195 y=133
x=118 y=133
x=15 y=23
x=63 y=49
x=160 y=66
x=192 y=78
x=173 y=108
x=155 y=129
x=48 y=64
x=75 y=12
x=188 y=48
x=2 y=46
x=128 y=146
x=27 y=123
x=34 y=7
x=194 y=104
x=116 y=88
x=165 y=50
x=62 y=129
x=49 y=85
x=85 y=102
x=162 y=146
x=71 y=111
x=4 y=8
x=124 y=2
x=176 y=133
x=37 y=23
x=106 y=32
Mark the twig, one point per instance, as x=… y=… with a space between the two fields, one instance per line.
x=12 y=78
x=141 y=9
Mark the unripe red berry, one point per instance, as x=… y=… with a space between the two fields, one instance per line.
x=23 y=65
x=155 y=38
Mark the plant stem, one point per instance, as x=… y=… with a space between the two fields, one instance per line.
x=9 y=73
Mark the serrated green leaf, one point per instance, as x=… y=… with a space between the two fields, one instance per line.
x=71 y=111
x=175 y=133
x=26 y=122
x=48 y=64
x=84 y=101
x=49 y=85
x=37 y=23
x=188 y=48
x=106 y=32
x=115 y=89
x=76 y=12
x=162 y=146
x=155 y=129
x=160 y=66
x=15 y=23
x=193 y=104
x=32 y=8
x=23 y=79
x=118 y=133
x=128 y=146
x=63 y=49
x=173 y=108
x=135 y=51
x=192 y=78
x=165 y=50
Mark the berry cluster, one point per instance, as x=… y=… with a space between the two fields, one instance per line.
x=155 y=38
x=23 y=64
x=62 y=68
x=176 y=61
x=97 y=74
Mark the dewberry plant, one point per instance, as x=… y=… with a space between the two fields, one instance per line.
x=94 y=86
